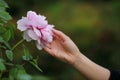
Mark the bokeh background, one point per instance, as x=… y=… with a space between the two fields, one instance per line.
x=94 y=25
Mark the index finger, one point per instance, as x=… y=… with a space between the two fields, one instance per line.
x=60 y=34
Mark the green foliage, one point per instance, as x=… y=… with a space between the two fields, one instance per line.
x=22 y=75
x=3 y=4
x=19 y=73
x=7 y=35
x=14 y=71
x=6 y=44
x=35 y=64
x=2 y=66
x=27 y=56
x=11 y=27
x=9 y=55
x=5 y=16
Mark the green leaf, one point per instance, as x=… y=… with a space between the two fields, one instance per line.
x=36 y=60
x=35 y=65
x=3 y=4
x=5 y=15
x=21 y=74
x=11 y=27
x=1 y=23
x=2 y=66
x=13 y=73
x=1 y=40
x=9 y=64
x=26 y=58
x=9 y=55
x=27 y=55
x=5 y=43
x=24 y=77
x=21 y=69
x=2 y=30
x=4 y=47
x=2 y=8
x=7 y=35
x=26 y=51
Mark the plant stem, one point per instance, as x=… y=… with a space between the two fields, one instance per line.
x=35 y=65
x=17 y=44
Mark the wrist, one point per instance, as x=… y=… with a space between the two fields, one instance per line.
x=76 y=59
x=80 y=61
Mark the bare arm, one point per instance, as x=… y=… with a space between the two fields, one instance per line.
x=64 y=49
x=90 y=69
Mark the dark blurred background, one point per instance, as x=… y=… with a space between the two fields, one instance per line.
x=94 y=25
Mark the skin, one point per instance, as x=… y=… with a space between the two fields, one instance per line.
x=64 y=49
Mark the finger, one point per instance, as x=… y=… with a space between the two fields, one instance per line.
x=47 y=49
x=60 y=34
x=56 y=37
x=48 y=45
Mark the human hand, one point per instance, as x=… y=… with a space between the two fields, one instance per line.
x=62 y=47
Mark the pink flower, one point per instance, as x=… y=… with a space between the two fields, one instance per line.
x=35 y=27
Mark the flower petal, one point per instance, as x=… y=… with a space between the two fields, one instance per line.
x=31 y=15
x=47 y=34
x=37 y=32
x=39 y=44
x=36 y=28
x=32 y=35
x=26 y=37
x=22 y=24
x=47 y=37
